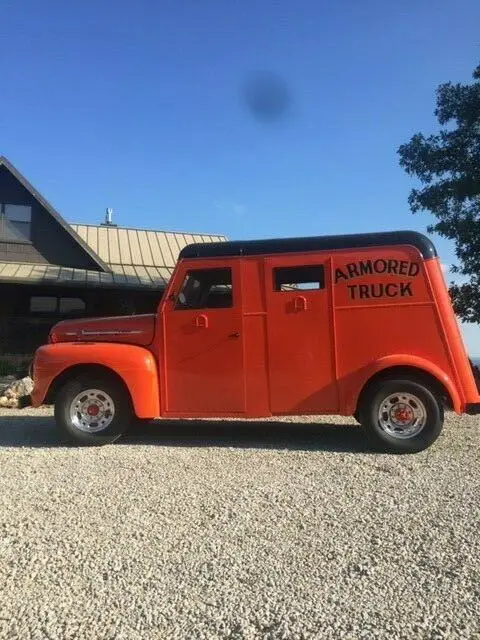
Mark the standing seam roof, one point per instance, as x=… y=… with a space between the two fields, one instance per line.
x=138 y=247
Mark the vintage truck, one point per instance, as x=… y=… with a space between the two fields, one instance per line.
x=356 y=325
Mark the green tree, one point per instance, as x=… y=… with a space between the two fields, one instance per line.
x=447 y=164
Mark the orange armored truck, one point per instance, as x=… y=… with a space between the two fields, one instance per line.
x=356 y=325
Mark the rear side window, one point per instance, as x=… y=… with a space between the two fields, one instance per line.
x=206 y=289
x=307 y=278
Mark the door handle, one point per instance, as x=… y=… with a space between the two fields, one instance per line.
x=300 y=303
x=201 y=321
x=235 y=334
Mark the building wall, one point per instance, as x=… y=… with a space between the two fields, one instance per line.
x=22 y=331
x=51 y=244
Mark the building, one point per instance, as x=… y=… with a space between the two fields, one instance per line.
x=51 y=270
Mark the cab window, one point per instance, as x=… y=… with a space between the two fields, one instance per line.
x=206 y=289
x=306 y=278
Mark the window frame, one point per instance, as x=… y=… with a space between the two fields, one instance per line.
x=46 y=312
x=180 y=307
x=297 y=267
x=72 y=311
x=56 y=311
x=18 y=225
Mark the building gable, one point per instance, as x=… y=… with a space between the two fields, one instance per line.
x=31 y=231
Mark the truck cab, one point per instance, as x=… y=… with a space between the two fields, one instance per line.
x=356 y=325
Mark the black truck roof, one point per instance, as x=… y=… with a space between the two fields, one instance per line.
x=314 y=243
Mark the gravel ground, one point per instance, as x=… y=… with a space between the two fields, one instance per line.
x=278 y=529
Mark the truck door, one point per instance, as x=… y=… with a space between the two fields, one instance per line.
x=299 y=335
x=203 y=345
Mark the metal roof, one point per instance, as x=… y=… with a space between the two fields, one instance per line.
x=134 y=258
x=124 y=276
x=138 y=247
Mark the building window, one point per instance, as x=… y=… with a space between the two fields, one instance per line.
x=71 y=305
x=43 y=304
x=56 y=306
x=307 y=278
x=15 y=223
x=206 y=289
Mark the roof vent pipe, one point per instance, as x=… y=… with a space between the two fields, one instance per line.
x=108 y=218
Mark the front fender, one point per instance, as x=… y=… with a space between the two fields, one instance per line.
x=401 y=360
x=135 y=365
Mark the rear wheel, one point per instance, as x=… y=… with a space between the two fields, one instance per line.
x=93 y=411
x=401 y=416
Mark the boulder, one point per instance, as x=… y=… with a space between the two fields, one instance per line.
x=6 y=381
x=14 y=391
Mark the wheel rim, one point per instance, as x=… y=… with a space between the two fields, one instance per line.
x=92 y=410
x=402 y=415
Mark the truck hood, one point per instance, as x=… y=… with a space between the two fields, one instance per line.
x=128 y=329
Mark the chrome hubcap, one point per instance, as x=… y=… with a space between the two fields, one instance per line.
x=402 y=415
x=92 y=410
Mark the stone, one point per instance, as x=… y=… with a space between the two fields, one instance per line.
x=17 y=389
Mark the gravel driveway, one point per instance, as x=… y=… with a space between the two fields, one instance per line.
x=278 y=529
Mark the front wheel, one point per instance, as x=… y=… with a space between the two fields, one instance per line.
x=93 y=411
x=401 y=416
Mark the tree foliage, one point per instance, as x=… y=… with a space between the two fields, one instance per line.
x=447 y=165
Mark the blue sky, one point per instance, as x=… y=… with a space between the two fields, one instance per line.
x=138 y=105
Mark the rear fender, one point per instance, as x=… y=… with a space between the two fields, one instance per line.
x=135 y=365
x=422 y=365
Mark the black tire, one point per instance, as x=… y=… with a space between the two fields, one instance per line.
x=114 y=391
x=382 y=437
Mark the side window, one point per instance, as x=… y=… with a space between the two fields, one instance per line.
x=206 y=289
x=43 y=304
x=71 y=305
x=54 y=305
x=306 y=278
x=18 y=220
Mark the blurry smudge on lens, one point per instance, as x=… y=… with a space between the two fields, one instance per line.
x=266 y=95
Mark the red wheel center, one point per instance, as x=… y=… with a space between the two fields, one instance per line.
x=403 y=415
x=93 y=410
